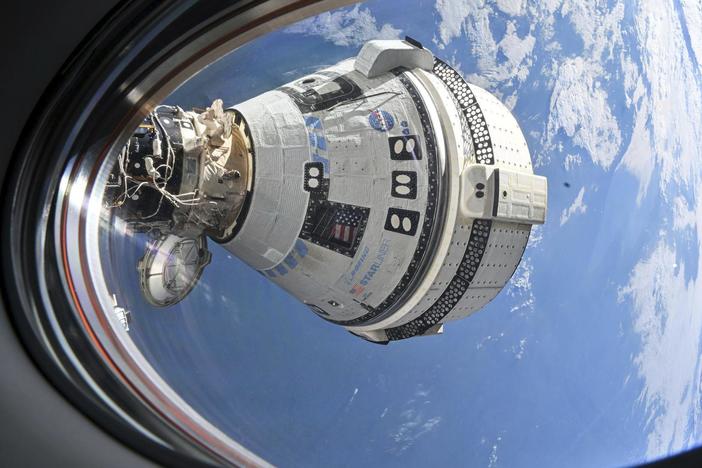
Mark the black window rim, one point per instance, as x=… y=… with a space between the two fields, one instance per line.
x=135 y=57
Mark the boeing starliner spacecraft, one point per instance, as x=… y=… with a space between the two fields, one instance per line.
x=385 y=192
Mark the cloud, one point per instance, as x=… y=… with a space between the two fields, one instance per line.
x=488 y=340
x=452 y=14
x=502 y=60
x=536 y=236
x=666 y=138
x=683 y=217
x=638 y=158
x=579 y=104
x=572 y=161
x=520 y=288
x=493 y=458
x=580 y=108
x=692 y=18
x=414 y=423
x=667 y=319
x=597 y=25
x=659 y=68
x=519 y=350
x=349 y=28
x=517 y=51
x=512 y=7
x=577 y=207
x=353 y=397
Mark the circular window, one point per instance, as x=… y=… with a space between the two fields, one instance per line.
x=434 y=246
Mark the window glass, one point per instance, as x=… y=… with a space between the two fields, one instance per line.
x=589 y=355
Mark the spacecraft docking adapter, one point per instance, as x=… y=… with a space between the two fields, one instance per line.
x=385 y=192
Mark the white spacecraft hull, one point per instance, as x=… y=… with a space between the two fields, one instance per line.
x=389 y=195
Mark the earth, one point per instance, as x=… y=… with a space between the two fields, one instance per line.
x=590 y=356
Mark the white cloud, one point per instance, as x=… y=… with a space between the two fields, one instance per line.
x=488 y=340
x=473 y=18
x=520 y=349
x=579 y=103
x=414 y=423
x=634 y=88
x=572 y=161
x=517 y=50
x=520 y=287
x=353 y=397
x=452 y=14
x=598 y=26
x=512 y=7
x=667 y=319
x=667 y=130
x=536 y=236
x=664 y=93
x=577 y=207
x=683 y=217
x=638 y=158
x=580 y=108
x=692 y=16
x=345 y=27
x=414 y=427
x=493 y=459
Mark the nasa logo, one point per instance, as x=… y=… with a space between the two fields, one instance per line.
x=381 y=120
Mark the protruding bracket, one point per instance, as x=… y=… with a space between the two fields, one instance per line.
x=381 y=56
x=488 y=192
x=377 y=337
x=437 y=329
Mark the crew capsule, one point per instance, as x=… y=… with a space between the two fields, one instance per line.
x=385 y=192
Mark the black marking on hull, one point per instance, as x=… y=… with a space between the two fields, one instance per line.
x=479 y=134
x=405 y=148
x=402 y=221
x=311 y=101
x=455 y=290
x=314 y=176
x=402 y=189
x=496 y=194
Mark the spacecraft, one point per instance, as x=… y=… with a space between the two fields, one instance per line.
x=385 y=192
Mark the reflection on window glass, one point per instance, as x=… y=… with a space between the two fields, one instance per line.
x=582 y=343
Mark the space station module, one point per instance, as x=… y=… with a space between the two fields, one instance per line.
x=385 y=192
